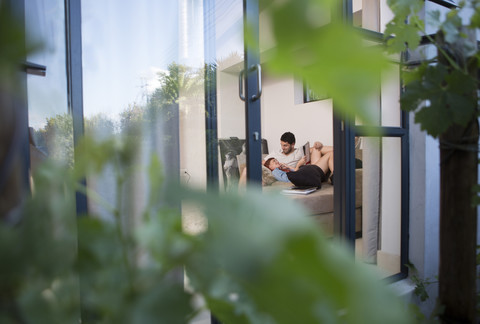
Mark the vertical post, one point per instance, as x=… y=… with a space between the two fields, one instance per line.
x=252 y=89
x=73 y=26
x=211 y=95
x=344 y=163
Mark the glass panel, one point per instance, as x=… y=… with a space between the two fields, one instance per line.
x=51 y=128
x=144 y=68
x=229 y=50
x=137 y=81
x=378 y=201
x=284 y=109
x=385 y=105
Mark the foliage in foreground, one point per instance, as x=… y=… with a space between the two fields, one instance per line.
x=260 y=261
x=442 y=89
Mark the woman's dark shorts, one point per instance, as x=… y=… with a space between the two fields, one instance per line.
x=309 y=175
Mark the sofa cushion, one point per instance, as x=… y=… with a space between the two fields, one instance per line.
x=318 y=202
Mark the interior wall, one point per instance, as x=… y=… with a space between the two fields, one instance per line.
x=311 y=121
x=230 y=109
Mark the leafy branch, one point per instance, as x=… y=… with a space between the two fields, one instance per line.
x=441 y=94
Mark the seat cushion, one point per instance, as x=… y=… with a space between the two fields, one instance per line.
x=318 y=202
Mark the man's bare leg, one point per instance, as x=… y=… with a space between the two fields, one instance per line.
x=316 y=152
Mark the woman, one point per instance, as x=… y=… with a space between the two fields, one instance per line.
x=304 y=175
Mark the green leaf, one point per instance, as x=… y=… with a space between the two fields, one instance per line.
x=434 y=18
x=404 y=8
x=451 y=27
x=434 y=119
x=405 y=27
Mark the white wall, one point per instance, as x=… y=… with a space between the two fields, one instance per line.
x=230 y=109
x=309 y=122
x=279 y=111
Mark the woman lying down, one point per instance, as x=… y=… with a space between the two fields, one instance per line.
x=310 y=175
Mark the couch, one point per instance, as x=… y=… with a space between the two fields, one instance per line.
x=320 y=203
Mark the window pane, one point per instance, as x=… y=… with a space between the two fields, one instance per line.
x=378 y=242
x=132 y=65
x=229 y=52
x=50 y=123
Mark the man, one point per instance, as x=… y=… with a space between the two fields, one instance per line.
x=288 y=154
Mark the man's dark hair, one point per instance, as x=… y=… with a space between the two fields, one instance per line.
x=288 y=137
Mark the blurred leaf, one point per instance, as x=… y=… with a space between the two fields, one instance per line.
x=13 y=47
x=277 y=265
x=262 y=260
x=451 y=27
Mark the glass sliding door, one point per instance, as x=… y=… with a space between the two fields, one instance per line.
x=238 y=78
x=166 y=75
x=133 y=80
x=382 y=160
x=228 y=54
x=134 y=53
x=289 y=105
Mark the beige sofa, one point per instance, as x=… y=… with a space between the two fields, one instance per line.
x=320 y=202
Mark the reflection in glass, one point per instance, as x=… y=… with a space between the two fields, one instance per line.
x=136 y=81
x=379 y=242
x=51 y=127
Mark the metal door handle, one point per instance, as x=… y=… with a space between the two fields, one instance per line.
x=256 y=96
x=240 y=85
x=259 y=82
